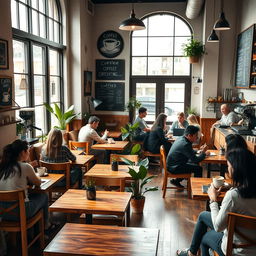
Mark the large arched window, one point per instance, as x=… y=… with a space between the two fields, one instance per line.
x=37 y=56
x=160 y=72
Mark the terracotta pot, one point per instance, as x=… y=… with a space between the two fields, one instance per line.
x=137 y=205
x=193 y=59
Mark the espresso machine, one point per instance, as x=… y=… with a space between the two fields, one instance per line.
x=248 y=114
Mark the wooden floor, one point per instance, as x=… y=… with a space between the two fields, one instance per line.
x=175 y=216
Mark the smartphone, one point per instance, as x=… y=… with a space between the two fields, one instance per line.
x=205 y=188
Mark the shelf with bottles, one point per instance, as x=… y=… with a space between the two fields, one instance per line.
x=213 y=105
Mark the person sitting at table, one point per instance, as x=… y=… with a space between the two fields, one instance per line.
x=16 y=174
x=156 y=136
x=180 y=123
x=192 y=120
x=54 y=152
x=211 y=227
x=235 y=141
x=88 y=133
x=182 y=158
x=143 y=128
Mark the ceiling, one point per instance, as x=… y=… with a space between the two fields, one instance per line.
x=133 y=1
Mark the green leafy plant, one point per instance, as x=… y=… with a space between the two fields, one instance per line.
x=193 y=48
x=133 y=104
x=90 y=184
x=191 y=111
x=139 y=175
x=63 y=117
x=129 y=131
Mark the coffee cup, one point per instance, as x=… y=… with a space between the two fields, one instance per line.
x=218 y=181
x=110 y=44
x=41 y=171
x=110 y=140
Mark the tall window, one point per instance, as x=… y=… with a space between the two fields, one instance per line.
x=38 y=51
x=160 y=72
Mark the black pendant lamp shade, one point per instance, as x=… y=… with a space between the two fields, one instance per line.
x=213 y=37
x=132 y=23
x=221 y=23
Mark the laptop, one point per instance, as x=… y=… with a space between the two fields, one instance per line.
x=178 y=131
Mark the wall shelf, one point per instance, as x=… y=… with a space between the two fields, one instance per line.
x=12 y=122
x=5 y=109
x=213 y=105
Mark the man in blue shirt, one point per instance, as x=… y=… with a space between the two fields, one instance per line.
x=182 y=158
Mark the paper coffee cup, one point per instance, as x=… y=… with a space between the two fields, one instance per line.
x=109 y=140
x=41 y=171
x=218 y=181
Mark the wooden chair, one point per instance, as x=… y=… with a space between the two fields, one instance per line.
x=149 y=154
x=235 y=222
x=171 y=175
x=74 y=145
x=18 y=198
x=59 y=167
x=133 y=158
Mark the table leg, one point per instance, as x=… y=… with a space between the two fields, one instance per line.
x=222 y=170
x=88 y=218
x=127 y=219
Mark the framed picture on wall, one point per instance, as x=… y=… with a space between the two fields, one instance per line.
x=4 y=54
x=87 y=83
x=5 y=91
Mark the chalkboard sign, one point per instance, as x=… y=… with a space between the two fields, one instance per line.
x=5 y=91
x=244 y=57
x=111 y=95
x=110 y=70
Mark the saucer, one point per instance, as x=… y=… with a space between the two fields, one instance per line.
x=45 y=174
x=115 y=50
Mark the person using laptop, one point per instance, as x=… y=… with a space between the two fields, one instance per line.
x=143 y=128
x=182 y=158
x=181 y=123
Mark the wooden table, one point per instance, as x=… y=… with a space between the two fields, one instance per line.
x=107 y=202
x=50 y=180
x=196 y=189
x=81 y=159
x=81 y=239
x=117 y=146
x=113 y=134
x=216 y=159
x=102 y=173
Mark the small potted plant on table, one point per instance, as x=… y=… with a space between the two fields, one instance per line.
x=114 y=164
x=90 y=189
x=139 y=176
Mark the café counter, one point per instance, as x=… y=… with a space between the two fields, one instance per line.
x=221 y=133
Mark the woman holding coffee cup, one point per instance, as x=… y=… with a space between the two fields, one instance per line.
x=55 y=152
x=15 y=174
x=211 y=228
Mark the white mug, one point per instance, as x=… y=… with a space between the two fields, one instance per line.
x=218 y=181
x=41 y=171
x=110 y=140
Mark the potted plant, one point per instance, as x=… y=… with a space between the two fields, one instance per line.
x=129 y=131
x=139 y=180
x=90 y=189
x=114 y=164
x=191 y=111
x=63 y=118
x=222 y=150
x=131 y=106
x=193 y=49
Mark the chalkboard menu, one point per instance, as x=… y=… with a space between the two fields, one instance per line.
x=110 y=69
x=244 y=57
x=5 y=91
x=111 y=95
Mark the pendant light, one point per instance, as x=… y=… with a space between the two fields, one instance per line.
x=23 y=83
x=132 y=23
x=213 y=36
x=222 y=23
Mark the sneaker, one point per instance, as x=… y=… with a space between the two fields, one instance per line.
x=176 y=183
x=183 y=252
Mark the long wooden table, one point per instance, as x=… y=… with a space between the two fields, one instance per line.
x=117 y=146
x=196 y=189
x=107 y=202
x=81 y=239
x=102 y=173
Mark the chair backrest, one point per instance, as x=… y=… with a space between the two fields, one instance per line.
x=59 y=167
x=74 y=145
x=133 y=158
x=163 y=156
x=235 y=222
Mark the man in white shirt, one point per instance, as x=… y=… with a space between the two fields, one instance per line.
x=228 y=117
x=88 y=133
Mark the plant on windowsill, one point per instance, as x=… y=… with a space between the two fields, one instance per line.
x=63 y=118
x=90 y=189
x=131 y=106
x=193 y=49
x=139 y=180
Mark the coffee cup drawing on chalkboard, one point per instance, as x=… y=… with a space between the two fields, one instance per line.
x=6 y=97
x=110 y=45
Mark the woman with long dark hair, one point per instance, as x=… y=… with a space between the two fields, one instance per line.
x=211 y=228
x=55 y=152
x=16 y=174
x=156 y=136
x=235 y=141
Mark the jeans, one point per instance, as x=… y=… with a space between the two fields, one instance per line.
x=36 y=202
x=207 y=239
